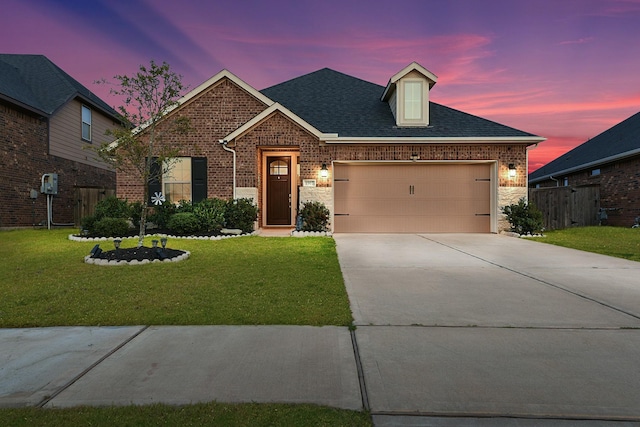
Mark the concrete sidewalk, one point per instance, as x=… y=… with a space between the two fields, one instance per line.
x=60 y=367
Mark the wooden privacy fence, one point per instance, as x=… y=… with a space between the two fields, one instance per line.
x=564 y=207
x=86 y=199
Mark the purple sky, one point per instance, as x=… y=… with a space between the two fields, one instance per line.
x=563 y=69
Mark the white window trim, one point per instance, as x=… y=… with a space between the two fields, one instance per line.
x=166 y=181
x=89 y=123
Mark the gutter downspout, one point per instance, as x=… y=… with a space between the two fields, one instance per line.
x=224 y=142
x=556 y=180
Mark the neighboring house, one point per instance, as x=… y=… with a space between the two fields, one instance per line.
x=382 y=159
x=46 y=120
x=610 y=160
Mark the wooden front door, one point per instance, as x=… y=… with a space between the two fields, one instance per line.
x=279 y=190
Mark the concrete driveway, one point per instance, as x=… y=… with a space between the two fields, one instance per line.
x=479 y=325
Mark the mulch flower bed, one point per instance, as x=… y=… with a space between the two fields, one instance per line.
x=139 y=254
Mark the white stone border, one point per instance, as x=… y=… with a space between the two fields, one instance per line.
x=310 y=233
x=98 y=261
x=75 y=238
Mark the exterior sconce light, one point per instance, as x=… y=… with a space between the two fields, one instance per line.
x=512 y=170
x=414 y=157
x=324 y=172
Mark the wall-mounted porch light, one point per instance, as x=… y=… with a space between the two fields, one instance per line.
x=324 y=172
x=512 y=170
x=414 y=157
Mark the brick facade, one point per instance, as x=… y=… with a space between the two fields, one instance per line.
x=24 y=158
x=214 y=114
x=224 y=107
x=619 y=189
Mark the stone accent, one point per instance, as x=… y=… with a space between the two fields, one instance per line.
x=508 y=196
x=318 y=194
x=247 y=193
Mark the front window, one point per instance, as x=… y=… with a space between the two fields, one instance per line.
x=566 y=181
x=86 y=123
x=177 y=181
x=413 y=100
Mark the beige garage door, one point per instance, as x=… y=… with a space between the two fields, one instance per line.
x=412 y=198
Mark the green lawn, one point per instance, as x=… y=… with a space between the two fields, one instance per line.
x=614 y=241
x=205 y=414
x=241 y=281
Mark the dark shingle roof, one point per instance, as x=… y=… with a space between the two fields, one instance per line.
x=614 y=142
x=334 y=102
x=37 y=83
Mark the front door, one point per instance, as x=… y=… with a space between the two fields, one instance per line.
x=279 y=190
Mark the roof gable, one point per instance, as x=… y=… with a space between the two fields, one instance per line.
x=414 y=66
x=620 y=141
x=35 y=82
x=217 y=78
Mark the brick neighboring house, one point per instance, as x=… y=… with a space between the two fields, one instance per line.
x=610 y=160
x=382 y=159
x=47 y=119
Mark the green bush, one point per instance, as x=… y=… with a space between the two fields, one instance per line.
x=524 y=218
x=184 y=223
x=111 y=227
x=161 y=214
x=315 y=216
x=184 y=206
x=241 y=214
x=113 y=207
x=210 y=213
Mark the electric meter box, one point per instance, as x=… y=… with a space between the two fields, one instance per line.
x=49 y=183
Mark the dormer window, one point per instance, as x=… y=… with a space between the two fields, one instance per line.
x=413 y=100
x=408 y=95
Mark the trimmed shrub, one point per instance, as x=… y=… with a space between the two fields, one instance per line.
x=241 y=214
x=114 y=208
x=184 y=223
x=315 y=216
x=161 y=215
x=111 y=227
x=525 y=218
x=210 y=213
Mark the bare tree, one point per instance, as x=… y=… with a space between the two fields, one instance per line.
x=149 y=96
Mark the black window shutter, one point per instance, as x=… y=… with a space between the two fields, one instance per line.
x=198 y=179
x=155 y=179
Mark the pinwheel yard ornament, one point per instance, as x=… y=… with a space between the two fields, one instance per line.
x=157 y=199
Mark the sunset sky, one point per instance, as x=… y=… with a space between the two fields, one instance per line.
x=562 y=69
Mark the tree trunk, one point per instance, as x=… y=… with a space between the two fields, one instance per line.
x=143 y=224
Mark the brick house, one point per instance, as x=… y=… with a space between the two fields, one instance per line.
x=382 y=159
x=47 y=119
x=611 y=161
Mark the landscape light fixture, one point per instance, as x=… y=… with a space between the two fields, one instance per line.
x=512 y=170
x=154 y=242
x=163 y=242
x=324 y=172
x=116 y=243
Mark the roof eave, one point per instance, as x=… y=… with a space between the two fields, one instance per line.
x=529 y=140
x=587 y=165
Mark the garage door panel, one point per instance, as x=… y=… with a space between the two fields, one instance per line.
x=407 y=198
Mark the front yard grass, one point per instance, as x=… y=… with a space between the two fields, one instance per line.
x=613 y=241
x=204 y=414
x=241 y=281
